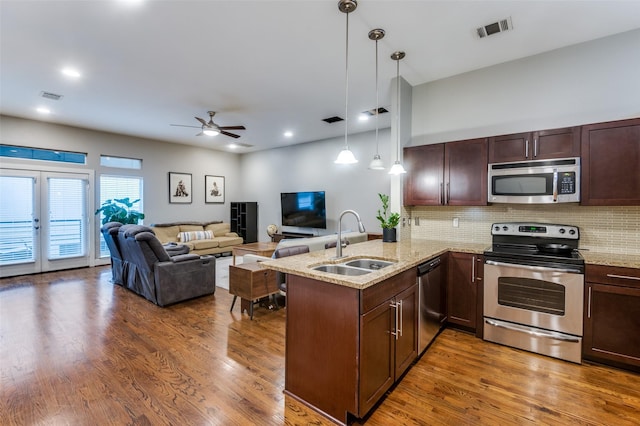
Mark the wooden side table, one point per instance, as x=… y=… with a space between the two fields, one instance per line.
x=260 y=249
x=251 y=282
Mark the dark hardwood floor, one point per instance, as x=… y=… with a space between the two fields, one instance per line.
x=77 y=350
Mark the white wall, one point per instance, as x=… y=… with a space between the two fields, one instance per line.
x=585 y=83
x=310 y=167
x=158 y=158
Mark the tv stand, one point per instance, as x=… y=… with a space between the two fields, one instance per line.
x=282 y=235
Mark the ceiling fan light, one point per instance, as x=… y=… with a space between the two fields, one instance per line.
x=376 y=163
x=397 y=169
x=346 y=157
x=210 y=131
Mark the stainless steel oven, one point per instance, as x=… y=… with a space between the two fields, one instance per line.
x=534 y=289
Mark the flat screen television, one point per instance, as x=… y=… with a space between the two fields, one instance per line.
x=303 y=209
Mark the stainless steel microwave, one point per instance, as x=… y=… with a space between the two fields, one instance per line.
x=535 y=182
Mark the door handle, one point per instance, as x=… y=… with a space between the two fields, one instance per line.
x=395 y=324
x=526 y=148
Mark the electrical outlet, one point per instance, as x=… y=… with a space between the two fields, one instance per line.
x=456 y=222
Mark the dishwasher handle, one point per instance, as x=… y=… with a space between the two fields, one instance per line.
x=429 y=266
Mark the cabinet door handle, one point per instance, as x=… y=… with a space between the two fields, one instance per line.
x=589 y=305
x=400 y=315
x=526 y=148
x=395 y=323
x=625 y=277
x=535 y=148
x=473 y=269
x=441 y=193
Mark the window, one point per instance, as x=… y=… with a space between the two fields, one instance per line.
x=120 y=162
x=119 y=187
x=42 y=154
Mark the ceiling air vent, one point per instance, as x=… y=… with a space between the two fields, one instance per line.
x=494 y=28
x=372 y=112
x=52 y=96
x=333 y=119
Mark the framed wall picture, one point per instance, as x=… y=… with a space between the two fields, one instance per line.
x=213 y=189
x=180 y=188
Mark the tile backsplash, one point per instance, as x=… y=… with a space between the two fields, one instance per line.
x=602 y=229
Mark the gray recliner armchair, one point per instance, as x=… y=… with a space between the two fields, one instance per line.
x=158 y=277
x=110 y=233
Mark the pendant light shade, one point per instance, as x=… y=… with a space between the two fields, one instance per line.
x=346 y=156
x=397 y=168
x=376 y=163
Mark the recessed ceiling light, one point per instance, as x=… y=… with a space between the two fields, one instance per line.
x=71 y=72
x=288 y=134
x=363 y=117
x=232 y=146
x=43 y=110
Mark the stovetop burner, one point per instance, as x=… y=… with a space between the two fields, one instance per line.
x=536 y=244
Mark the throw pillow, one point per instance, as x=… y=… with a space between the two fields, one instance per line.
x=195 y=235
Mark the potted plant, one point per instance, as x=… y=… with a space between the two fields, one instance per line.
x=119 y=210
x=388 y=221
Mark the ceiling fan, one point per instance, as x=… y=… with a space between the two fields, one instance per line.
x=212 y=129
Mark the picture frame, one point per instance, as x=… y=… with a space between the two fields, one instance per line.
x=213 y=189
x=180 y=188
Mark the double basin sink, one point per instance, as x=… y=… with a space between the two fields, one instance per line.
x=354 y=267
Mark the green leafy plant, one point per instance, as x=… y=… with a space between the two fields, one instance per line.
x=119 y=210
x=387 y=220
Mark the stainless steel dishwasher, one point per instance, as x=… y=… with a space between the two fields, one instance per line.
x=432 y=302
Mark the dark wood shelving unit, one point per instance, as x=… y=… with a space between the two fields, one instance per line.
x=244 y=220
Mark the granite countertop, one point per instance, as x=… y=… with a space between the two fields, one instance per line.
x=406 y=254
x=611 y=259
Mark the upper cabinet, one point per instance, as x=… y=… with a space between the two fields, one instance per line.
x=610 y=159
x=540 y=145
x=453 y=174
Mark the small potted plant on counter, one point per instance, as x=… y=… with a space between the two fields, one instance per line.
x=388 y=221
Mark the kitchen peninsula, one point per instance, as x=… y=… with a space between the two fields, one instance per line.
x=350 y=338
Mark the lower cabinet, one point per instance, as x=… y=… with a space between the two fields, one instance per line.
x=346 y=347
x=388 y=345
x=612 y=316
x=464 y=280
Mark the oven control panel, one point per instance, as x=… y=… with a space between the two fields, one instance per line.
x=545 y=230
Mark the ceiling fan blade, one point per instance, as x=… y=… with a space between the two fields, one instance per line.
x=204 y=123
x=184 y=125
x=232 y=128
x=233 y=135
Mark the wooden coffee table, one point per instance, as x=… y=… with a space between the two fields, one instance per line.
x=260 y=249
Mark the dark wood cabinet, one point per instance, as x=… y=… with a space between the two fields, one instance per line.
x=612 y=316
x=244 y=220
x=610 y=159
x=539 y=145
x=423 y=184
x=452 y=174
x=464 y=275
x=342 y=353
x=388 y=345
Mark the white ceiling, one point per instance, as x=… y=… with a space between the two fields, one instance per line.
x=268 y=65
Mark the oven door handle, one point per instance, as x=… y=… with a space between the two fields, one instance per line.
x=537 y=333
x=533 y=268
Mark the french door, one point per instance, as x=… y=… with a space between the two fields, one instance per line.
x=44 y=223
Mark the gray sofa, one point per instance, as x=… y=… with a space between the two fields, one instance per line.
x=149 y=271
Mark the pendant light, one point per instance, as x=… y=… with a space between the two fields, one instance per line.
x=346 y=156
x=376 y=163
x=397 y=168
